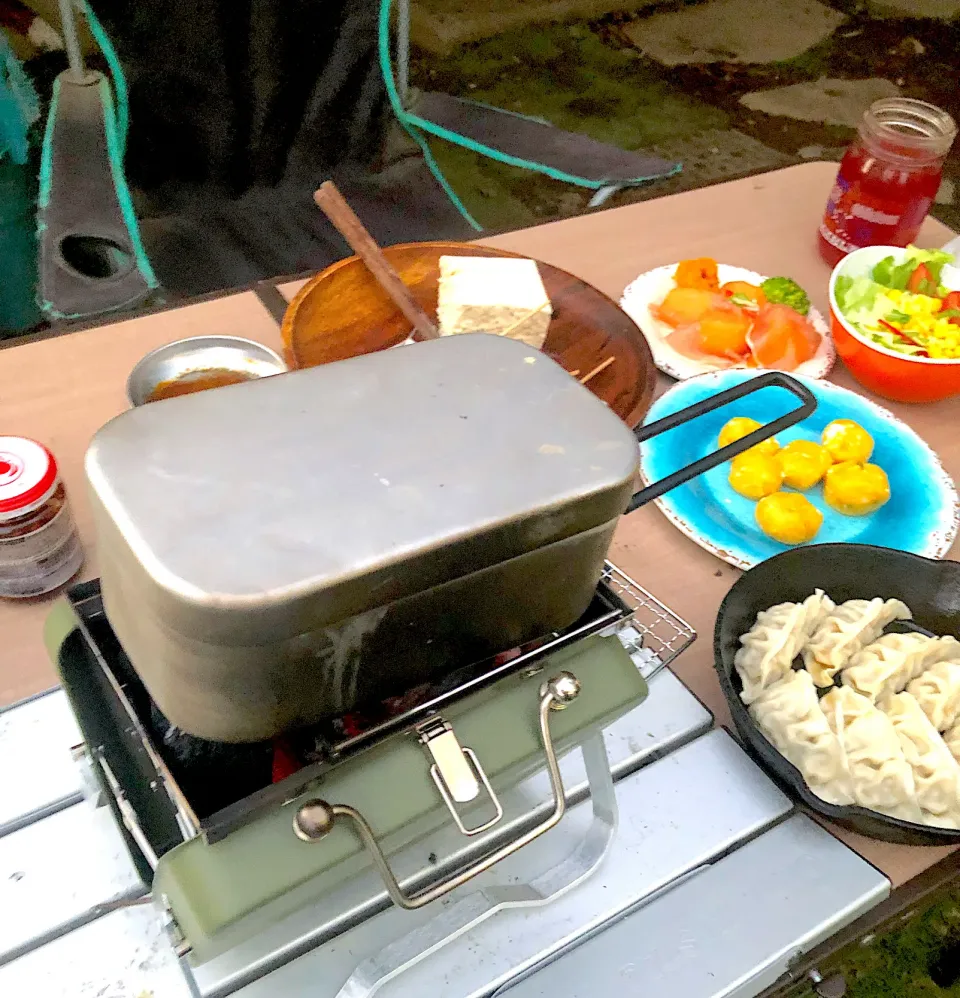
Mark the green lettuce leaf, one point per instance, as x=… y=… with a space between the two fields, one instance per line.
x=895 y=275
x=856 y=293
x=864 y=302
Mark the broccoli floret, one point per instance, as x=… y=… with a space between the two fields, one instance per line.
x=786 y=291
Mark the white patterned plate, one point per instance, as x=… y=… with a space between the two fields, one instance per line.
x=652 y=287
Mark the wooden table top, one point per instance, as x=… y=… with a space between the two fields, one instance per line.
x=60 y=390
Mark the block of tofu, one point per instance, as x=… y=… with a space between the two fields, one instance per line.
x=488 y=294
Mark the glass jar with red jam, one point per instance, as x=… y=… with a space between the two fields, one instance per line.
x=888 y=177
x=39 y=546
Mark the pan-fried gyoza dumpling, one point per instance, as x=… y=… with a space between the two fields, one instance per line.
x=882 y=779
x=885 y=666
x=843 y=632
x=936 y=774
x=951 y=738
x=789 y=715
x=768 y=649
x=938 y=692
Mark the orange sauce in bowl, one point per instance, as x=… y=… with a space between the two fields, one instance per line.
x=198 y=381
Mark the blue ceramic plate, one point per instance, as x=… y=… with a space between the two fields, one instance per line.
x=921 y=516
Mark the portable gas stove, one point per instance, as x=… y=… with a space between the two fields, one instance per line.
x=628 y=890
x=447 y=757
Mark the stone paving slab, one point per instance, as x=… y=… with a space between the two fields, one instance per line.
x=715 y=31
x=709 y=157
x=832 y=102
x=718 y=154
x=440 y=26
x=947 y=192
x=944 y=10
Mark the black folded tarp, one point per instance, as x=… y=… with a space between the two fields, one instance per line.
x=231 y=94
x=239 y=109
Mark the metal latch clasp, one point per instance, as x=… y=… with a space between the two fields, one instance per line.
x=315 y=818
x=456 y=771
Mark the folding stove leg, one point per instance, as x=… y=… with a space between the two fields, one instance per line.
x=461 y=916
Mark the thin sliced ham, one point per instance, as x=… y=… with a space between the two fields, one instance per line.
x=782 y=339
x=688 y=341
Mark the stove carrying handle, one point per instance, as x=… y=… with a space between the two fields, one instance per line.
x=773 y=379
x=315 y=819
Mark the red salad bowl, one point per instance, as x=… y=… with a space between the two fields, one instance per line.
x=893 y=375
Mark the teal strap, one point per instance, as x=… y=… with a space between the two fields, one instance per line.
x=116 y=123
x=115 y=146
x=19 y=106
x=116 y=72
x=415 y=125
x=407 y=120
x=46 y=153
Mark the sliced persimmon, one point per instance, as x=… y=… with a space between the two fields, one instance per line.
x=723 y=331
x=683 y=306
x=699 y=273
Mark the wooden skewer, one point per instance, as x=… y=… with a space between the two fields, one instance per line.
x=331 y=202
x=573 y=374
x=523 y=318
x=600 y=367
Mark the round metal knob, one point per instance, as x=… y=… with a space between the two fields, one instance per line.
x=565 y=688
x=313 y=820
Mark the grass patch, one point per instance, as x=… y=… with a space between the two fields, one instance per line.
x=897 y=962
x=572 y=77
x=502 y=197
x=809 y=65
x=568 y=75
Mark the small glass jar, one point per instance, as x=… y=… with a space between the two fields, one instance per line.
x=39 y=546
x=888 y=177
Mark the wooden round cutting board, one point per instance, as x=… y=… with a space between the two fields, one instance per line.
x=343 y=312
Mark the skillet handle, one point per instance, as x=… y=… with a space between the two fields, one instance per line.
x=774 y=379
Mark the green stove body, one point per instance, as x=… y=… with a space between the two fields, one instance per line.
x=443 y=760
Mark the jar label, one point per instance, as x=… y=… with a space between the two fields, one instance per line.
x=41 y=560
x=855 y=218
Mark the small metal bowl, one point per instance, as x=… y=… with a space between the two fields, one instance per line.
x=197 y=355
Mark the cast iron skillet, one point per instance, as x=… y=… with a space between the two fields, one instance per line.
x=844 y=571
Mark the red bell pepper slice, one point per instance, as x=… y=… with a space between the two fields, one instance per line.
x=904 y=336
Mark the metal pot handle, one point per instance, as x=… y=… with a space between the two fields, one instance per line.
x=315 y=819
x=773 y=379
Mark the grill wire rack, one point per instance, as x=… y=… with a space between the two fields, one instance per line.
x=652 y=633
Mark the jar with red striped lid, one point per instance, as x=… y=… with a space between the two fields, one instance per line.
x=39 y=546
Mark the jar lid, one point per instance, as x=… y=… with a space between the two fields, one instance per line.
x=28 y=472
x=908 y=130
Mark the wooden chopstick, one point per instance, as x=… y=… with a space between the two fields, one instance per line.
x=600 y=367
x=331 y=202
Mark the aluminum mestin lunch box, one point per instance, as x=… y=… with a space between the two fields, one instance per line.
x=284 y=549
